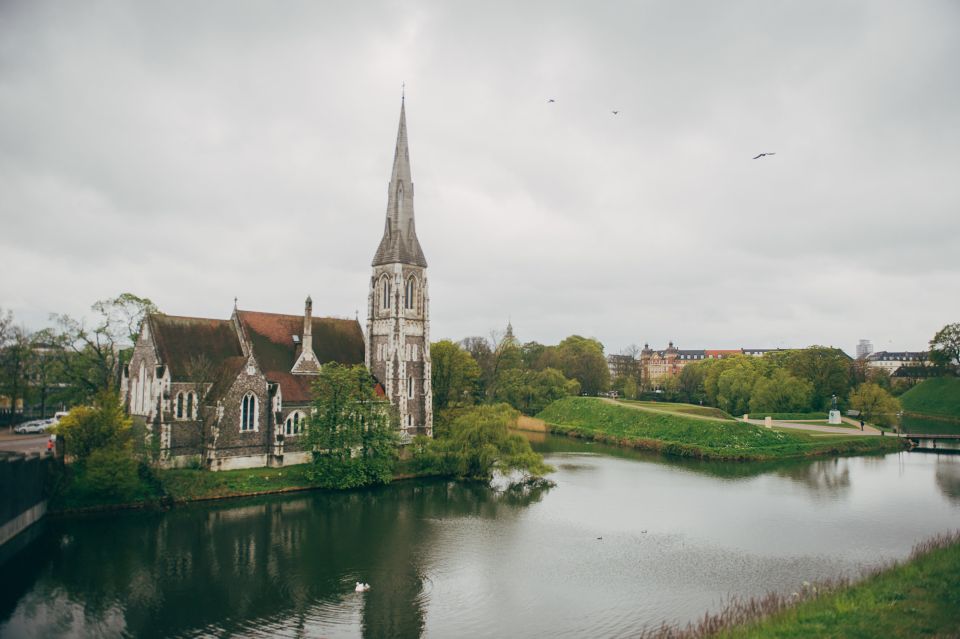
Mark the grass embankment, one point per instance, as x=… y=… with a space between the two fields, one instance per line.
x=684 y=436
x=939 y=396
x=187 y=484
x=680 y=408
x=919 y=598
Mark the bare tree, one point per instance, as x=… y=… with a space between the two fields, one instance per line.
x=6 y=322
x=93 y=357
x=16 y=360
x=203 y=376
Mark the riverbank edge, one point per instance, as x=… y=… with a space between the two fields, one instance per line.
x=686 y=436
x=904 y=598
x=168 y=501
x=853 y=447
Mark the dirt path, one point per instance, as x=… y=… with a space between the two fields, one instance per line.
x=815 y=428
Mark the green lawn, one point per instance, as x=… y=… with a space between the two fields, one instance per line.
x=920 y=598
x=939 y=396
x=187 y=484
x=682 y=409
x=686 y=436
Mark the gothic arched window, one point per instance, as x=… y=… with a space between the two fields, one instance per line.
x=248 y=412
x=410 y=295
x=295 y=423
x=385 y=293
x=191 y=405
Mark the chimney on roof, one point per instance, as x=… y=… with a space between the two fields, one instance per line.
x=308 y=325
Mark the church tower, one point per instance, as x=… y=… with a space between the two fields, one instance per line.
x=398 y=317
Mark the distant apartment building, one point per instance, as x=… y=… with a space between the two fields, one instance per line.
x=864 y=349
x=656 y=364
x=891 y=361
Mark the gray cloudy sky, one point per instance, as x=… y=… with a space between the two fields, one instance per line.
x=194 y=151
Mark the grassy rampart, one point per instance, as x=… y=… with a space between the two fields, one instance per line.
x=939 y=396
x=678 y=435
x=682 y=409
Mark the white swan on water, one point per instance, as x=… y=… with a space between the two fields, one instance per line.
x=361 y=587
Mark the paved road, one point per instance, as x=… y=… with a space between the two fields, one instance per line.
x=23 y=443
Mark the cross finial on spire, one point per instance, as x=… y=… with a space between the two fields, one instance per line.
x=234 y=302
x=403 y=91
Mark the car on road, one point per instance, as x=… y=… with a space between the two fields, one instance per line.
x=35 y=426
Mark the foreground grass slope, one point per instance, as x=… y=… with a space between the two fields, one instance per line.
x=679 y=435
x=939 y=396
x=920 y=598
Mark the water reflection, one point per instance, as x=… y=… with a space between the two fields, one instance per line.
x=947 y=476
x=823 y=478
x=625 y=541
x=244 y=568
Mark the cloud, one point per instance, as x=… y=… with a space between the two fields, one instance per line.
x=191 y=153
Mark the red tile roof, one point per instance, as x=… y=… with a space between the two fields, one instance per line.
x=271 y=334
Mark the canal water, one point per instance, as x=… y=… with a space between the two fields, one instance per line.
x=622 y=541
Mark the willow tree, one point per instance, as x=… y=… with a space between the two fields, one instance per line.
x=353 y=431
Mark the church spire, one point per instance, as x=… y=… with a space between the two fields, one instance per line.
x=400 y=243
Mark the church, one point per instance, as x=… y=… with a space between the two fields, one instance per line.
x=236 y=393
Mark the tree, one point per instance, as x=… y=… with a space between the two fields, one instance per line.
x=780 y=393
x=93 y=358
x=352 y=432
x=531 y=391
x=669 y=385
x=531 y=354
x=16 y=362
x=691 y=382
x=99 y=437
x=875 y=404
x=735 y=386
x=626 y=375
x=945 y=348
x=203 y=375
x=102 y=425
x=482 y=353
x=827 y=368
x=479 y=444
x=582 y=359
x=6 y=322
x=454 y=375
x=46 y=371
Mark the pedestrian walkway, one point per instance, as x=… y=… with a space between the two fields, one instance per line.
x=822 y=428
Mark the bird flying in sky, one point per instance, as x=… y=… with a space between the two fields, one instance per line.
x=615 y=112
x=551 y=100
x=757 y=157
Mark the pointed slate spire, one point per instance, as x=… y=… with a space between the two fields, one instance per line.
x=400 y=243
